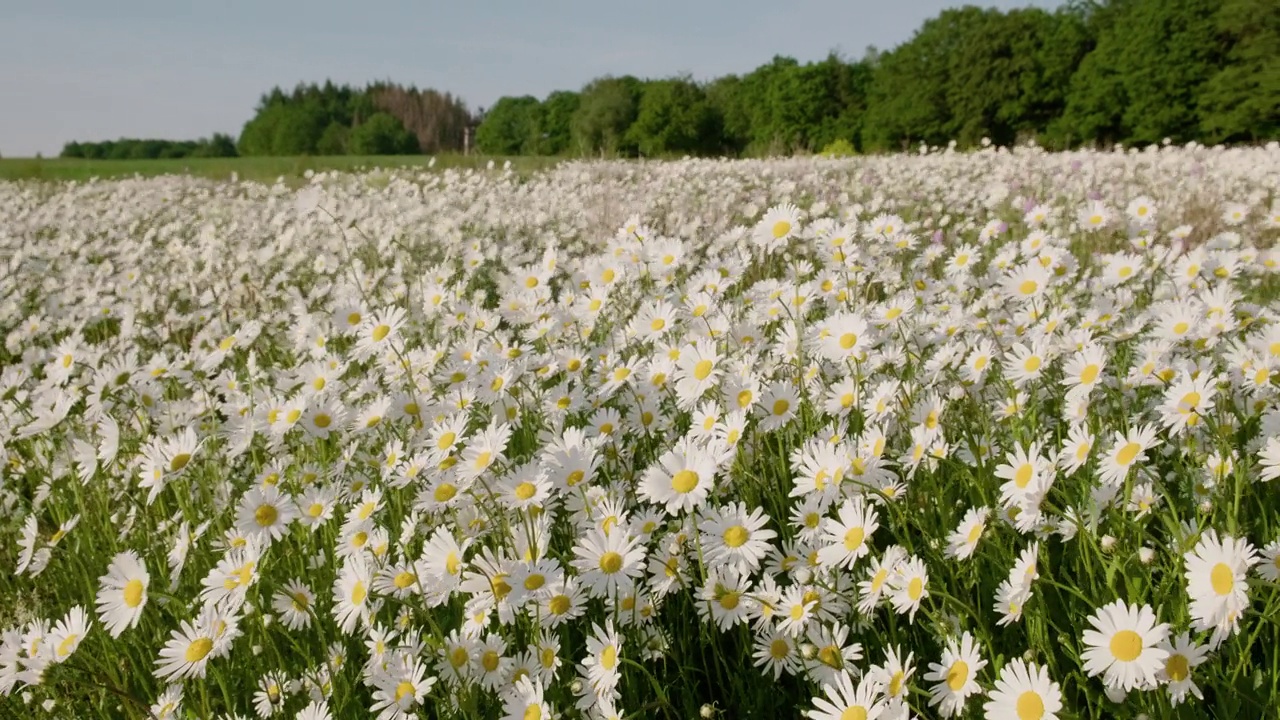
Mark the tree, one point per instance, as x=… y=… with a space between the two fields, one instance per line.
x=1241 y=101
x=510 y=127
x=334 y=139
x=556 y=122
x=607 y=107
x=727 y=99
x=674 y=117
x=382 y=134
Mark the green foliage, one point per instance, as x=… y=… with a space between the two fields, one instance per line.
x=511 y=127
x=557 y=122
x=334 y=140
x=1242 y=100
x=607 y=107
x=838 y=149
x=382 y=134
x=218 y=145
x=674 y=118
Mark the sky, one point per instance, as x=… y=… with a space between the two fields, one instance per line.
x=183 y=69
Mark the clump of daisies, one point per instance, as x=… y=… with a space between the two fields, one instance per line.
x=942 y=435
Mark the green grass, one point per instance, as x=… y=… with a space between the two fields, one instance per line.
x=245 y=168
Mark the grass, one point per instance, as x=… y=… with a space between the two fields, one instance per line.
x=245 y=168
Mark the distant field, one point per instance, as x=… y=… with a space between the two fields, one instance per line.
x=245 y=168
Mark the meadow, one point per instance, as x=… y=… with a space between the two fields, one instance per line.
x=940 y=435
x=260 y=169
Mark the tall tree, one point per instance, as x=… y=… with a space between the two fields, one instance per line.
x=606 y=109
x=1241 y=101
x=510 y=127
x=674 y=117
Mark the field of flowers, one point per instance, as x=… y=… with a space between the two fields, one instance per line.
x=987 y=435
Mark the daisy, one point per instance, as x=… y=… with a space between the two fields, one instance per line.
x=775 y=653
x=776 y=227
x=1184 y=656
x=696 y=372
x=732 y=535
x=880 y=571
x=1124 y=645
x=894 y=676
x=293 y=603
x=955 y=678
x=187 y=652
x=909 y=586
x=681 y=478
x=778 y=405
x=68 y=633
x=833 y=655
x=841 y=700
x=1127 y=450
x=608 y=563
x=964 y=541
x=602 y=665
x=351 y=594
x=264 y=514
x=1270 y=568
x=122 y=594
x=842 y=337
x=526 y=702
x=378 y=332
x=1084 y=370
x=844 y=538
x=1216 y=574
x=401 y=688
x=1023 y=692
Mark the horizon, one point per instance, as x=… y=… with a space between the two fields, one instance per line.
x=147 y=70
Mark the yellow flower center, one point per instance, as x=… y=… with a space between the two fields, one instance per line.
x=958 y=675
x=915 y=588
x=1222 y=579
x=778 y=649
x=198 y=649
x=1030 y=706
x=133 y=593
x=1126 y=645
x=1023 y=476
x=736 y=536
x=1127 y=454
x=266 y=515
x=609 y=658
x=559 y=605
x=1089 y=374
x=611 y=562
x=684 y=481
x=702 y=369
x=404 y=689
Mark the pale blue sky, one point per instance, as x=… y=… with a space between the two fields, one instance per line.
x=96 y=70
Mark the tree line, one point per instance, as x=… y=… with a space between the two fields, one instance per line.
x=1090 y=72
x=218 y=145
x=1112 y=71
